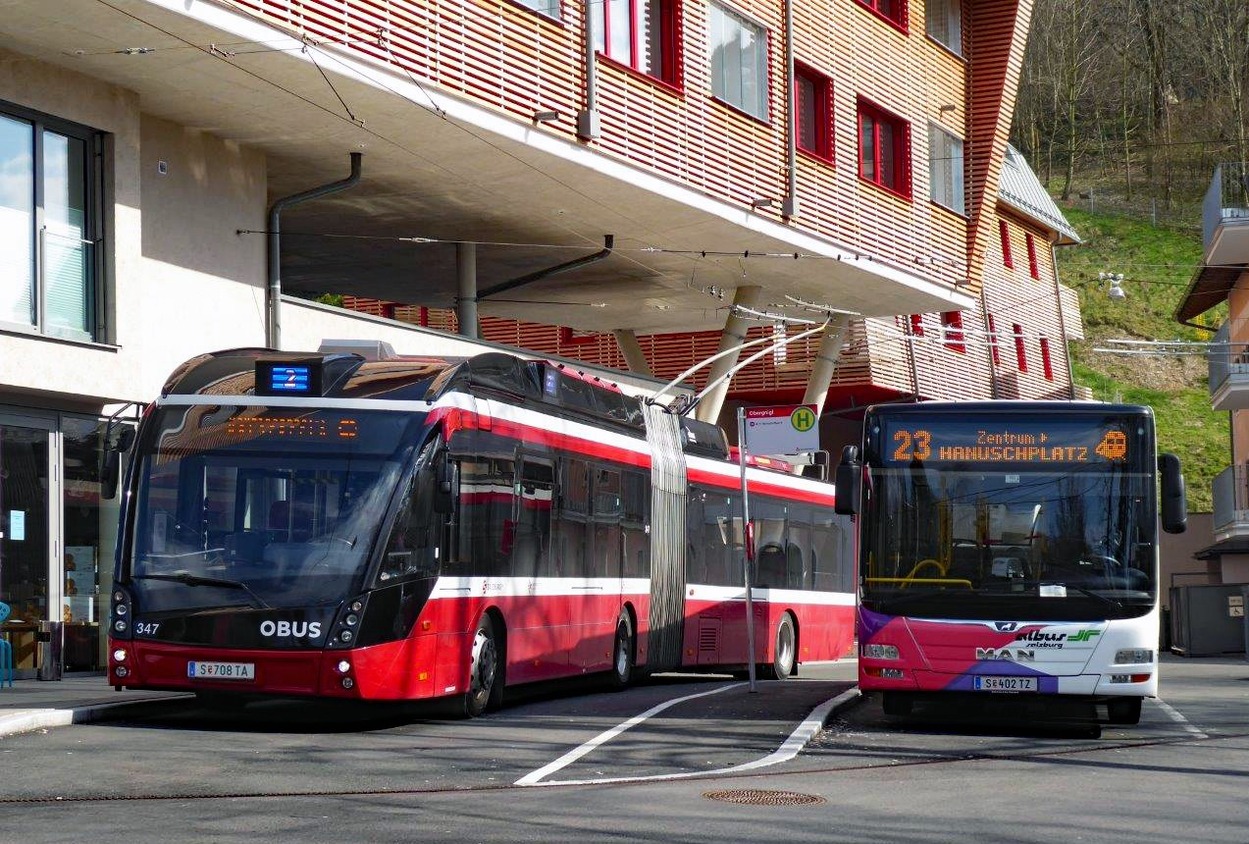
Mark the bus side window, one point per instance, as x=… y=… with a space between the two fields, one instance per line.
x=486 y=495
x=412 y=549
x=531 y=543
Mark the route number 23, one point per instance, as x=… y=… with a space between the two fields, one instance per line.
x=912 y=445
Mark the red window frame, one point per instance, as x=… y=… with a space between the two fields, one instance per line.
x=952 y=331
x=872 y=121
x=820 y=119
x=1047 y=363
x=1034 y=268
x=1004 y=230
x=917 y=325
x=994 y=349
x=893 y=11
x=1021 y=352
x=669 y=38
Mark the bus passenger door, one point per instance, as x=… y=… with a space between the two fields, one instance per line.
x=533 y=639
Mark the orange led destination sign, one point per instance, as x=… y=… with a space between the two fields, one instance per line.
x=291 y=427
x=989 y=445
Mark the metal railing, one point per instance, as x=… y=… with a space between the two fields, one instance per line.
x=1231 y=498
x=1227 y=357
x=1227 y=198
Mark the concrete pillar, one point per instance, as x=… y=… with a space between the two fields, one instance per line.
x=466 y=278
x=734 y=334
x=632 y=350
x=825 y=364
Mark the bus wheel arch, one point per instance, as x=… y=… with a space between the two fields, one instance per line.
x=784 y=649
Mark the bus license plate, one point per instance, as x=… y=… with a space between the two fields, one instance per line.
x=221 y=670
x=1004 y=684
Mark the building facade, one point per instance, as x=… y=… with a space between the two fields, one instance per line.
x=173 y=171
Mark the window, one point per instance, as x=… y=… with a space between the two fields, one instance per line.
x=643 y=34
x=1021 y=354
x=49 y=225
x=917 y=325
x=739 y=61
x=1047 y=363
x=1034 y=268
x=952 y=329
x=884 y=149
x=945 y=23
x=814 y=110
x=893 y=11
x=1004 y=231
x=550 y=8
x=994 y=350
x=945 y=169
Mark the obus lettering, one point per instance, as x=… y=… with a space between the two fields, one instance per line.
x=297 y=629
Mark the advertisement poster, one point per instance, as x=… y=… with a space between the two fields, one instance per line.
x=79 y=596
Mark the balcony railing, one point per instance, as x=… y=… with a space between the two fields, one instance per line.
x=1228 y=361
x=1231 y=503
x=1226 y=206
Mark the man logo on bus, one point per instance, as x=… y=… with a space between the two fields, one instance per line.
x=1114 y=446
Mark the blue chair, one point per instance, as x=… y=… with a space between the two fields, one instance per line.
x=6 y=650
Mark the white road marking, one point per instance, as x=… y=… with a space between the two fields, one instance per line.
x=1175 y=716
x=788 y=750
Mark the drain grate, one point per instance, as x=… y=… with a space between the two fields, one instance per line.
x=764 y=797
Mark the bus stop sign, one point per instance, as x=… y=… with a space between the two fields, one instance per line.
x=787 y=429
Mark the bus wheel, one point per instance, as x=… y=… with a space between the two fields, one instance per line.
x=784 y=652
x=622 y=653
x=1125 y=710
x=484 y=674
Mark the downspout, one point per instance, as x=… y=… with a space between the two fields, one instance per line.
x=273 y=325
x=587 y=118
x=789 y=206
x=609 y=242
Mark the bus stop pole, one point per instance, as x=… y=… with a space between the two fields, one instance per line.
x=747 y=549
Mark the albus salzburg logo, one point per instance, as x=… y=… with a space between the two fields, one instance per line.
x=289 y=629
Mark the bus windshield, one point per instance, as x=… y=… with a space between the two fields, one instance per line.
x=278 y=507
x=1056 y=532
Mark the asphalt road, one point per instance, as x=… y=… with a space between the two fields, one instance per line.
x=685 y=746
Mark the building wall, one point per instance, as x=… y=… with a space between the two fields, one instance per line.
x=508 y=57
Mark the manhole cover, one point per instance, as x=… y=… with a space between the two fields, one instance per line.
x=763 y=797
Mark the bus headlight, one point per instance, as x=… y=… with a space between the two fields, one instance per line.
x=880 y=651
x=1133 y=656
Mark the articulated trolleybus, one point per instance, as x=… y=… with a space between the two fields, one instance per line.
x=1010 y=548
x=323 y=525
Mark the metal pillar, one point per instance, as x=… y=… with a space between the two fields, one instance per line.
x=632 y=350
x=466 y=278
x=734 y=334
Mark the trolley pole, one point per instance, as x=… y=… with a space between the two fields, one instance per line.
x=747 y=548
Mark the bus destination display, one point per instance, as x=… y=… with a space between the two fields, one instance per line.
x=990 y=444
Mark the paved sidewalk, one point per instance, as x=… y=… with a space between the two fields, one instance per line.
x=76 y=699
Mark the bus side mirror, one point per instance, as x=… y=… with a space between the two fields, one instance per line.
x=110 y=470
x=442 y=484
x=848 y=483
x=1174 y=498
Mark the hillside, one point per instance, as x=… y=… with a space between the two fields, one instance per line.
x=1157 y=264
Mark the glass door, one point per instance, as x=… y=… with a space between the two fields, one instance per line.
x=29 y=578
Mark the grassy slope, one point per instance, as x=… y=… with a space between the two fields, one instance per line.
x=1157 y=265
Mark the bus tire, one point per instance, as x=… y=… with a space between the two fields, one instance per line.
x=623 y=651
x=784 y=651
x=1124 y=710
x=485 y=675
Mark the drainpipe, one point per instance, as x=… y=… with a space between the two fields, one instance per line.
x=789 y=205
x=273 y=326
x=609 y=241
x=587 y=118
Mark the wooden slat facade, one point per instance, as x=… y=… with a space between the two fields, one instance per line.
x=504 y=55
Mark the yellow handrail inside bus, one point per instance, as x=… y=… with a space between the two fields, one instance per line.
x=944 y=581
x=925 y=563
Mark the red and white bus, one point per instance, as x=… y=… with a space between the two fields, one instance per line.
x=328 y=526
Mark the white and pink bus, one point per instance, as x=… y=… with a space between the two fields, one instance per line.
x=324 y=525
x=1010 y=548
